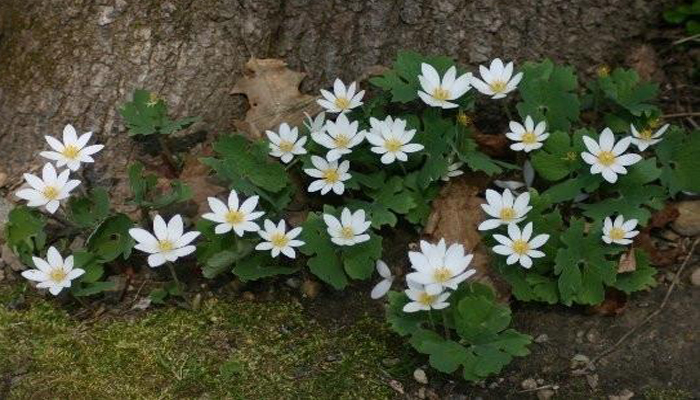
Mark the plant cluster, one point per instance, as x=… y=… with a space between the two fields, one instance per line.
x=357 y=169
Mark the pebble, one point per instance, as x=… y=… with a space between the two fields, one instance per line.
x=540 y=381
x=248 y=296
x=545 y=394
x=592 y=336
x=528 y=384
x=623 y=395
x=420 y=376
x=310 y=288
x=592 y=381
x=579 y=361
x=688 y=221
x=293 y=283
x=695 y=277
x=543 y=338
x=493 y=385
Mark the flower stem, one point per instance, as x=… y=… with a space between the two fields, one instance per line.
x=171 y=267
x=432 y=321
x=403 y=168
x=291 y=164
x=507 y=111
x=444 y=324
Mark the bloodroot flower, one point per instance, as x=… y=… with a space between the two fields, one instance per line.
x=421 y=300
x=350 y=229
x=73 y=150
x=342 y=99
x=497 y=80
x=331 y=175
x=278 y=240
x=231 y=216
x=647 y=137
x=528 y=137
x=169 y=242
x=607 y=157
x=287 y=144
x=391 y=139
x=620 y=231
x=504 y=208
x=54 y=273
x=49 y=190
x=519 y=247
x=440 y=93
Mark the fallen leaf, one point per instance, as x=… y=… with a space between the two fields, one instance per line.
x=657 y=257
x=273 y=92
x=614 y=304
x=197 y=176
x=456 y=214
x=492 y=145
x=628 y=262
x=664 y=216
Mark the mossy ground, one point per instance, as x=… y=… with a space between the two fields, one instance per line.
x=227 y=349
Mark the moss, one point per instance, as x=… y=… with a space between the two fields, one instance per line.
x=666 y=394
x=225 y=350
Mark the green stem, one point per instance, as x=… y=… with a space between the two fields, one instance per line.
x=507 y=110
x=291 y=164
x=444 y=324
x=432 y=321
x=403 y=168
x=171 y=267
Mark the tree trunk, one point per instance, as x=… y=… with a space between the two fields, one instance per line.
x=76 y=61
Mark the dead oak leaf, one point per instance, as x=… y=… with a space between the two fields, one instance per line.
x=273 y=92
x=456 y=214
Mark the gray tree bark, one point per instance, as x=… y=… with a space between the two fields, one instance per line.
x=76 y=61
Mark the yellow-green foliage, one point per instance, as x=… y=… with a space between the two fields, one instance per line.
x=228 y=349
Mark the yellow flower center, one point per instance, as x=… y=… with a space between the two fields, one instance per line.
x=520 y=246
x=606 y=158
x=347 y=233
x=286 y=146
x=57 y=275
x=498 y=86
x=603 y=71
x=152 y=100
x=507 y=214
x=464 y=119
x=529 y=138
x=393 y=145
x=441 y=94
x=426 y=299
x=51 y=192
x=279 y=239
x=617 y=233
x=442 y=275
x=331 y=175
x=342 y=102
x=165 y=245
x=234 y=217
x=654 y=123
x=570 y=156
x=646 y=134
x=70 y=152
x=341 y=141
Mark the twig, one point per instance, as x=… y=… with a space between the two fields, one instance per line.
x=552 y=386
x=683 y=114
x=686 y=39
x=656 y=312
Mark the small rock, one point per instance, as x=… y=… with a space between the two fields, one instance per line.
x=592 y=381
x=540 y=381
x=493 y=385
x=310 y=288
x=142 y=304
x=107 y=16
x=688 y=221
x=623 y=395
x=543 y=338
x=592 y=336
x=580 y=361
x=77 y=244
x=545 y=394
x=249 y=296
x=197 y=301
x=397 y=386
x=695 y=277
x=528 y=384
x=421 y=393
x=670 y=276
x=293 y=283
x=670 y=235
x=420 y=376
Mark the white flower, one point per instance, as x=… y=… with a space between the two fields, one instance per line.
x=349 y=230
x=330 y=174
x=528 y=137
x=504 y=208
x=519 y=247
x=317 y=124
x=54 y=273
x=422 y=301
x=391 y=139
x=620 y=231
x=436 y=93
x=232 y=216
x=285 y=145
x=515 y=186
x=607 y=157
x=646 y=138
x=339 y=137
x=496 y=80
x=385 y=284
x=73 y=150
x=453 y=170
x=278 y=239
x=49 y=190
x=341 y=100
x=169 y=243
x=439 y=267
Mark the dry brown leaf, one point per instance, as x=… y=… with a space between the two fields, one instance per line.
x=628 y=262
x=614 y=304
x=273 y=93
x=196 y=175
x=455 y=216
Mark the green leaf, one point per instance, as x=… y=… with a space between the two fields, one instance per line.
x=88 y=262
x=146 y=114
x=480 y=319
x=143 y=187
x=624 y=88
x=324 y=262
x=92 y=288
x=401 y=322
x=548 y=92
x=158 y=296
x=24 y=232
x=560 y=155
x=111 y=238
x=88 y=211
x=402 y=79
x=359 y=260
x=677 y=153
x=258 y=266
